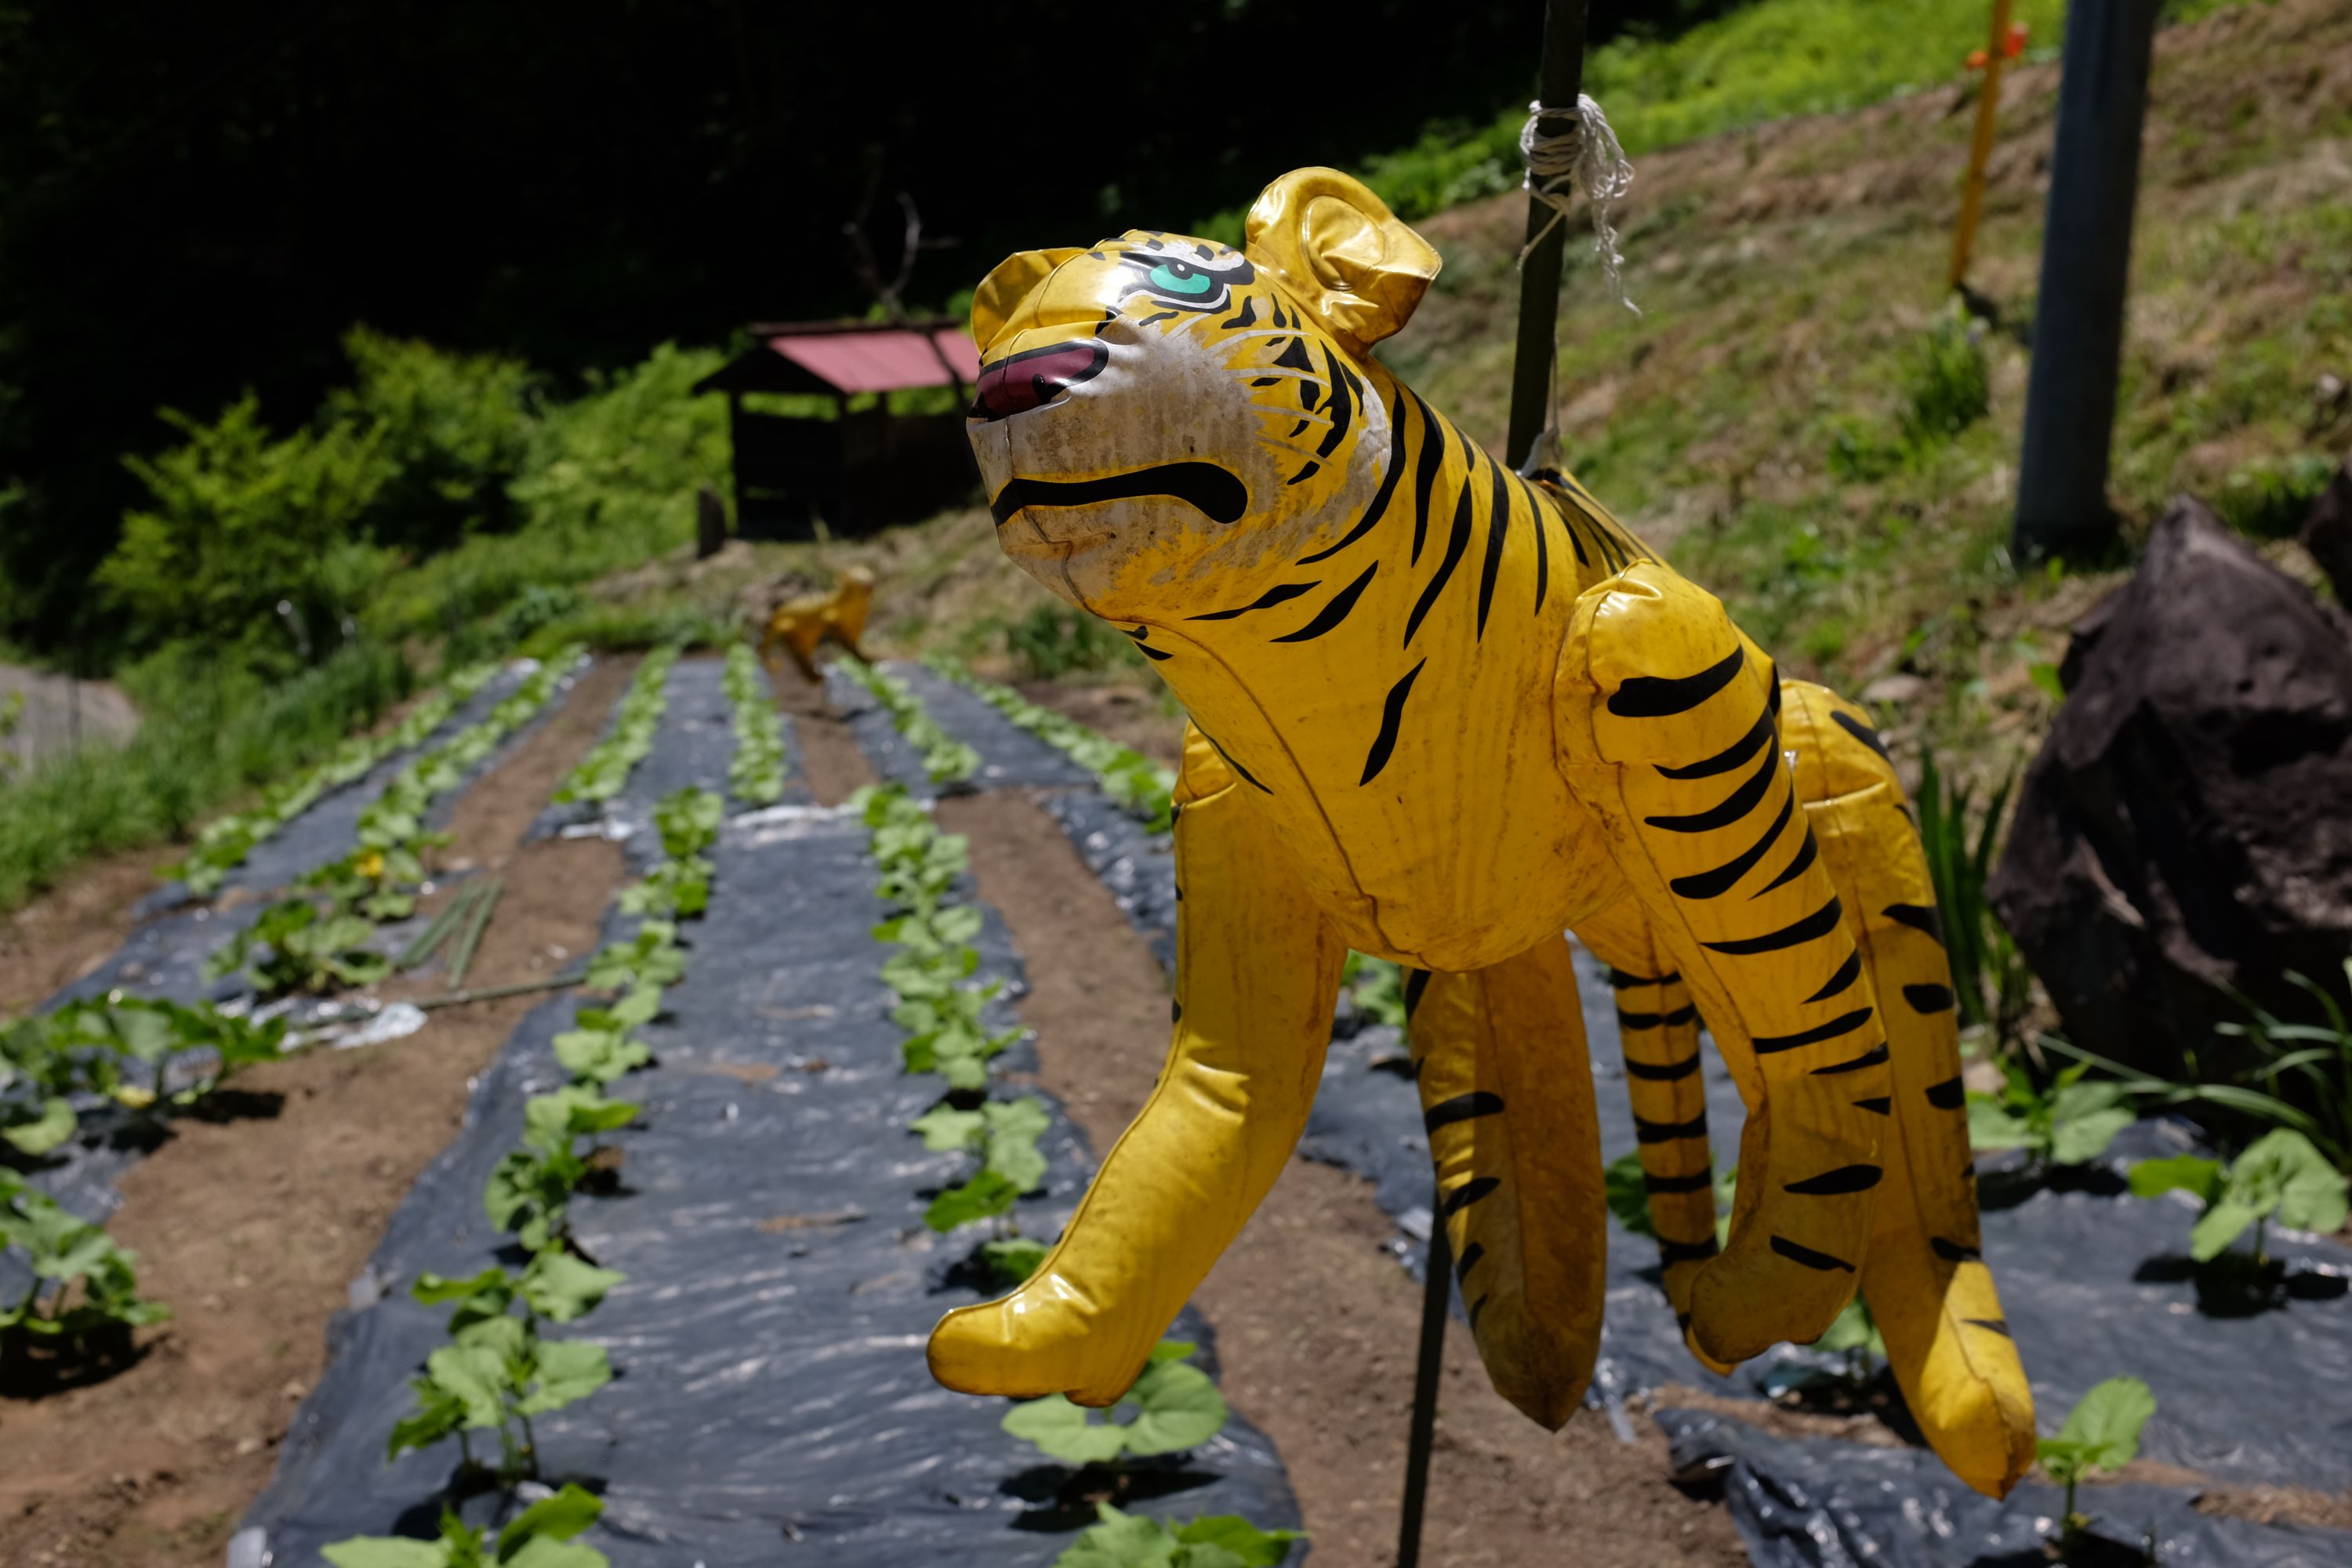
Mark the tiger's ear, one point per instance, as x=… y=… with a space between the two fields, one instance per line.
x=1009 y=282
x=1339 y=251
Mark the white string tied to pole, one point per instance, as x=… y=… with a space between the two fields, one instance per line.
x=1586 y=153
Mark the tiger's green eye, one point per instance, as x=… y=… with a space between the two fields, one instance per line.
x=1178 y=279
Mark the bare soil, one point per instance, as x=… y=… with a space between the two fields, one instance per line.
x=829 y=757
x=252 y=1225
x=1315 y=1323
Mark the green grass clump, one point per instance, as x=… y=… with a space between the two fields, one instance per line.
x=202 y=743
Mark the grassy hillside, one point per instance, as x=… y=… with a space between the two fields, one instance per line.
x=1781 y=418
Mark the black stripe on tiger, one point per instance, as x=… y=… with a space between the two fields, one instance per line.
x=1724 y=878
x=1847 y=974
x=1416 y=981
x=1728 y=810
x=1928 y=999
x=1953 y=1252
x=1468 y=1192
x=1378 y=505
x=1543 y=542
x=1392 y=716
x=1797 y=1253
x=1672 y=1252
x=1990 y=1325
x=1862 y=733
x=1498 y=529
x=1462 y=1108
x=1662 y=697
x=1455 y=544
x=1919 y=917
x=1796 y=866
x=1247 y=317
x=1838 y=1183
x=1949 y=1095
x=1338 y=610
x=1869 y=1059
x=1732 y=756
x=1153 y=654
x=1280 y=595
x=1820 y=922
x=1878 y=1105
x=1341 y=408
x=1662 y=1072
x=1697 y=1182
x=1621 y=981
x=1424 y=474
x=1468 y=1260
x=1633 y=1021
x=1246 y=776
x=1669 y=1132
x=1766 y=1045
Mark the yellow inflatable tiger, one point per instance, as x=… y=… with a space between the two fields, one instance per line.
x=1443 y=713
x=800 y=626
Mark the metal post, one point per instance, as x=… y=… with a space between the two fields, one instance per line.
x=1436 y=1295
x=2078 y=327
x=1562 y=81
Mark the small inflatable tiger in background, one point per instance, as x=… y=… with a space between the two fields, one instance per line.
x=1441 y=712
x=803 y=626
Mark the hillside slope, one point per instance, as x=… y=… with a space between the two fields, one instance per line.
x=1749 y=421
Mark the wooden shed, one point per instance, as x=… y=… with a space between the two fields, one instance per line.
x=864 y=467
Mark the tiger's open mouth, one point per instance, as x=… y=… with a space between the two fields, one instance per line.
x=1214 y=491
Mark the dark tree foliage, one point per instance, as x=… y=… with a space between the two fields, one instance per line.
x=197 y=199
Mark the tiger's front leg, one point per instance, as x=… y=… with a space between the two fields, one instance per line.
x=1257 y=973
x=1667 y=727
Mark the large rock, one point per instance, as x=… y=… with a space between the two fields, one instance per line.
x=2188 y=825
x=2327 y=532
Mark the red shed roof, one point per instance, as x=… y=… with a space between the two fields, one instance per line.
x=848 y=358
x=886 y=360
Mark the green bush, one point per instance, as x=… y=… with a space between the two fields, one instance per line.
x=449 y=431
x=1946 y=388
x=1054 y=640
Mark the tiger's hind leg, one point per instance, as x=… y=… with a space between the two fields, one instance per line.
x=1924 y=1278
x=1506 y=1095
x=1657 y=1030
x=1667 y=732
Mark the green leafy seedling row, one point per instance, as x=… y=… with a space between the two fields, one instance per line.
x=540 y=1536
x=756 y=775
x=946 y=759
x=1134 y=781
x=224 y=843
x=124 y=1048
x=83 y=1289
x=601 y=773
x=2279 y=1176
x=308 y=943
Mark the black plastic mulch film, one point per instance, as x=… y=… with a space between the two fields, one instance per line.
x=770 y=1403
x=2093 y=1283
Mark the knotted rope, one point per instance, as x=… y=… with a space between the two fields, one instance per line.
x=1584 y=153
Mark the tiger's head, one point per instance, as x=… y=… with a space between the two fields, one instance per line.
x=1163 y=421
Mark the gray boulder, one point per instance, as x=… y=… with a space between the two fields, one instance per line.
x=2188 y=825
x=2327 y=532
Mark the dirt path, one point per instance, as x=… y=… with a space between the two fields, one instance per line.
x=252 y=1227
x=829 y=757
x=1316 y=1324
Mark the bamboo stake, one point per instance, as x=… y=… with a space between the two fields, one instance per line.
x=1972 y=189
x=433 y=935
x=463 y=954
x=493 y=993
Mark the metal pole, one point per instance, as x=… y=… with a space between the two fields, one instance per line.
x=2078 y=327
x=1436 y=1295
x=1562 y=81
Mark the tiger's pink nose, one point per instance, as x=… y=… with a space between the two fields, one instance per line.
x=1019 y=382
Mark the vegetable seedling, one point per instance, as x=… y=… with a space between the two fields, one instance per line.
x=541 y=1536
x=1138 y=1541
x=2070 y=1125
x=496 y=1372
x=292 y=948
x=62 y=1253
x=2101 y=1434
x=756 y=775
x=529 y=1190
x=1171 y=1407
x=2279 y=1176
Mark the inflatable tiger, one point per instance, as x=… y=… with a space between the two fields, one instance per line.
x=1443 y=713
x=800 y=626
